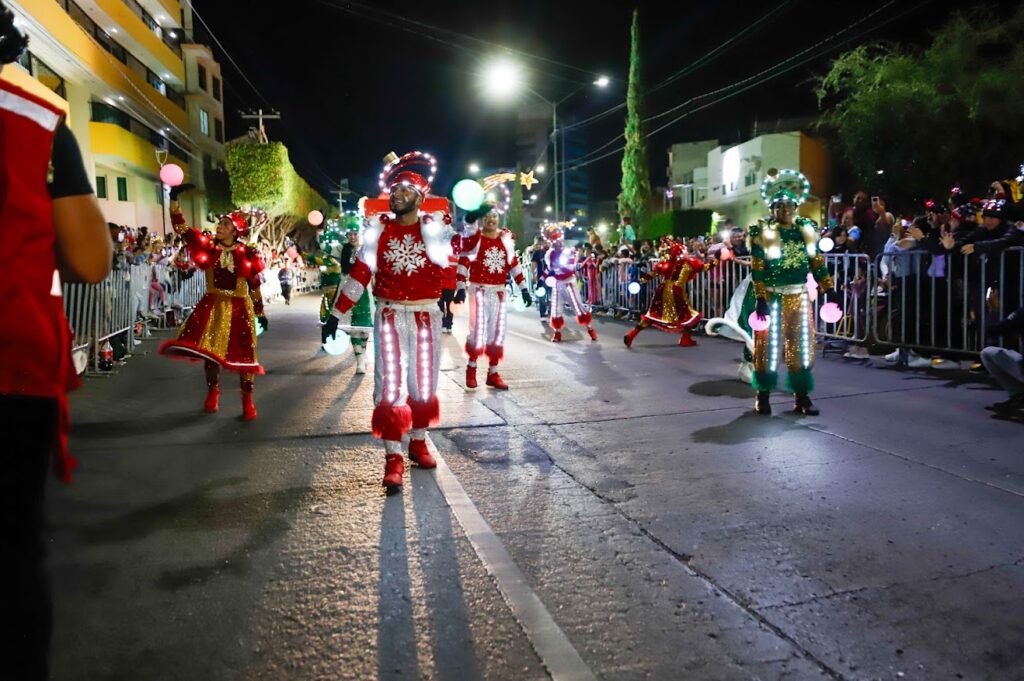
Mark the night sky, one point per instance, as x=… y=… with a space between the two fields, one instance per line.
x=354 y=81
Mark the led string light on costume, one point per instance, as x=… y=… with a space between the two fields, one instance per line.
x=805 y=332
x=785 y=178
x=396 y=165
x=425 y=355
x=500 y=335
x=773 y=334
x=391 y=368
x=478 y=326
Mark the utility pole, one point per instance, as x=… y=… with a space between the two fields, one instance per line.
x=261 y=131
x=342 y=191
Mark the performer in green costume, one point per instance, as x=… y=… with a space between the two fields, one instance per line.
x=362 y=311
x=783 y=251
x=326 y=258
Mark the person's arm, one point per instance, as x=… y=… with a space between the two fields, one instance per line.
x=84 y=249
x=1012 y=238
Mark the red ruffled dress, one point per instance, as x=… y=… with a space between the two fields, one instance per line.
x=670 y=308
x=222 y=328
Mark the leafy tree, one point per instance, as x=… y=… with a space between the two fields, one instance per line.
x=515 y=212
x=636 y=182
x=935 y=117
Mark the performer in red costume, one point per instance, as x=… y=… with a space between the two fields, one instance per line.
x=670 y=308
x=488 y=258
x=405 y=253
x=221 y=331
x=561 y=262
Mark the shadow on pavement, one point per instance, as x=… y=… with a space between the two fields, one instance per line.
x=723 y=388
x=746 y=428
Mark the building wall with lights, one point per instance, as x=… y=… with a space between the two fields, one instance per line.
x=117 y=68
x=729 y=181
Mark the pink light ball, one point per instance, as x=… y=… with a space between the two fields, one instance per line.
x=315 y=218
x=758 y=324
x=172 y=175
x=830 y=313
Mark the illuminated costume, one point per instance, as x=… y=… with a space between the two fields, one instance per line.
x=406 y=263
x=221 y=331
x=561 y=263
x=783 y=251
x=485 y=265
x=326 y=260
x=362 y=311
x=670 y=308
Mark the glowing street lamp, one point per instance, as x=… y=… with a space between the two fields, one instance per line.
x=474 y=168
x=602 y=81
x=502 y=79
x=547 y=209
x=539 y=169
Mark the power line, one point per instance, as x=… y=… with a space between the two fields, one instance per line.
x=573 y=165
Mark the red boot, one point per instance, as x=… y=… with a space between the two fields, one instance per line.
x=212 y=402
x=420 y=454
x=556 y=337
x=686 y=340
x=394 y=469
x=248 y=407
x=630 y=337
x=494 y=380
x=471 y=378
x=593 y=334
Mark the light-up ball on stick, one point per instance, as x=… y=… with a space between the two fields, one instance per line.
x=633 y=288
x=830 y=313
x=540 y=292
x=812 y=287
x=468 y=194
x=551 y=281
x=172 y=175
x=758 y=324
x=826 y=244
x=518 y=304
x=338 y=345
x=315 y=218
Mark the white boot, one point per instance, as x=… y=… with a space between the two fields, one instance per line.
x=361 y=363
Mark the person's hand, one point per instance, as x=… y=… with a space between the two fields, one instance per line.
x=460 y=297
x=915 y=233
x=181 y=189
x=946 y=239
x=762 y=309
x=331 y=327
x=264 y=324
x=967 y=249
x=527 y=300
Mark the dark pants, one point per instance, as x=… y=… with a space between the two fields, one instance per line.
x=30 y=425
x=286 y=291
x=543 y=302
x=445 y=303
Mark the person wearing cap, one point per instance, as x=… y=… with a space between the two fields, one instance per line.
x=560 y=263
x=783 y=251
x=405 y=253
x=487 y=260
x=221 y=331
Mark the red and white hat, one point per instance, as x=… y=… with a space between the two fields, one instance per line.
x=396 y=172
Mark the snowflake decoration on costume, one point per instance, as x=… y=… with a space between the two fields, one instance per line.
x=494 y=260
x=794 y=255
x=406 y=256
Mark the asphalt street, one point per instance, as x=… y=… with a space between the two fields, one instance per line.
x=618 y=514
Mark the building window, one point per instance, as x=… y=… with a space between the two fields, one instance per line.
x=202 y=77
x=122 y=189
x=216 y=88
x=101 y=186
x=218 y=128
x=204 y=122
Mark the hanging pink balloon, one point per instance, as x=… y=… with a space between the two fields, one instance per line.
x=315 y=218
x=172 y=175
x=758 y=324
x=830 y=312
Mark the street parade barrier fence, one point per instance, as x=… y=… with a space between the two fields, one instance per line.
x=130 y=301
x=909 y=299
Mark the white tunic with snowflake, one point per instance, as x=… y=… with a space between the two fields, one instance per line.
x=489 y=261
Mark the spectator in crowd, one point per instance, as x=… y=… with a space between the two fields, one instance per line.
x=538 y=266
x=738 y=243
x=1005 y=365
x=901 y=277
x=284 y=276
x=628 y=233
x=53 y=226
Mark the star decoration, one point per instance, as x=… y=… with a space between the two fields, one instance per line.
x=527 y=180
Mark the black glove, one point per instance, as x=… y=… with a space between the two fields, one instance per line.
x=331 y=327
x=527 y=300
x=762 y=309
x=460 y=297
x=262 y=319
x=181 y=189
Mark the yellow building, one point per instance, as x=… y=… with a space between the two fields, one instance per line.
x=118 y=67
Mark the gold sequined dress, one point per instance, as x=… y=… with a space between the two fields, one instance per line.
x=222 y=328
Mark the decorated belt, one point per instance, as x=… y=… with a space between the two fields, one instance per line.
x=414 y=306
x=487 y=287
x=790 y=290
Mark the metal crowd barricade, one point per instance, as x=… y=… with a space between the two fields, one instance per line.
x=854 y=293
x=945 y=303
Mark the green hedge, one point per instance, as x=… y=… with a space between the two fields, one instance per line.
x=684 y=223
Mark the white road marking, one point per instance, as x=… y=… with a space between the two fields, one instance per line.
x=556 y=653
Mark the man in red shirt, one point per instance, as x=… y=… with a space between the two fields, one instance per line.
x=405 y=254
x=488 y=258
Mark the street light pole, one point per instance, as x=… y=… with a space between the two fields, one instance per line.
x=554 y=155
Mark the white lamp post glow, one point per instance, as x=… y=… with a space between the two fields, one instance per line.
x=547 y=209
x=602 y=81
x=539 y=169
x=474 y=168
x=502 y=79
